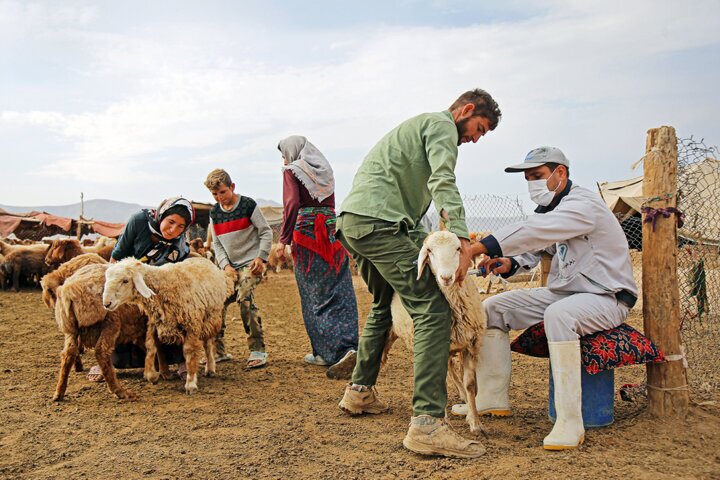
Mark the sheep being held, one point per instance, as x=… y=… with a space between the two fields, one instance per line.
x=441 y=251
x=184 y=303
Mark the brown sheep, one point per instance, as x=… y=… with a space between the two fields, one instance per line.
x=2 y=272
x=84 y=322
x=6 y=248
x=198 y=246
x=63 y=250
x=27 y=264
x=275 y=264
x=53 y=280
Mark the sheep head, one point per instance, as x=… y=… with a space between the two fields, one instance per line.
x=441 y=250
x=49 y=286
x=56 y=252
x=123 y=283
x=246 y=283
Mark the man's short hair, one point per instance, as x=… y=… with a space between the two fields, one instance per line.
x=552 y=166
x=216 y=178
x=485 y=105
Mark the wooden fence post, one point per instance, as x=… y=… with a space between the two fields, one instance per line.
x=545 y=263
x=667 y=382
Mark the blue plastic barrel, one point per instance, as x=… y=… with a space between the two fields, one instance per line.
x=598 y=398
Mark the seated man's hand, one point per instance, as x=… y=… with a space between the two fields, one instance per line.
x=465 y=261
x=497 y=266
x=257 y=266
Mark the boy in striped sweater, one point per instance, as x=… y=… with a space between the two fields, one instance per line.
x=241 y=238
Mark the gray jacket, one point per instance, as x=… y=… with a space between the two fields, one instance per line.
x=590 y=250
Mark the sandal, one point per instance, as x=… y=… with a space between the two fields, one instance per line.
x=315 y=360
x=95 y=374
x=182 y=371
x=256 y=360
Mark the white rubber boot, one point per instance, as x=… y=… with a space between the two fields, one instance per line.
x=493 y=377
x=568 y=431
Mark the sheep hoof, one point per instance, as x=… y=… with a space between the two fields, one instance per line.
x=152 y=377
x=210 y=373
x=190 y=389
x=126 y=395
x=57 y=398
x=167 y=375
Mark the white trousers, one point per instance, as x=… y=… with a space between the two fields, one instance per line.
x=567 y=316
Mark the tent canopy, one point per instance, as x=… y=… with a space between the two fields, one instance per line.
x=698 y=193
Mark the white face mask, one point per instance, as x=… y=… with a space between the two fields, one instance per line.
x=539 y=192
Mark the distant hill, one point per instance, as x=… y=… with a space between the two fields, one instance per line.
x=100 y=209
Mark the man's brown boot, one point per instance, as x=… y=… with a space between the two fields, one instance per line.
x=434 y=436
x=361 y=399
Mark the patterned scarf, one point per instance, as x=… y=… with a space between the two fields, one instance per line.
x=308 y=165
x=167 y=250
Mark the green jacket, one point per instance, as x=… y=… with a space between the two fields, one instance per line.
x=411 y=166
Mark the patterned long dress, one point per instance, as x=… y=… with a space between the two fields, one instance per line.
x=322 y=271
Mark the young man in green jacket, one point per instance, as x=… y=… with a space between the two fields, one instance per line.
x=379 y=224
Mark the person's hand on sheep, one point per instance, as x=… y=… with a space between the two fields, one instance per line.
x=257 y=266
x=465 y=261
x=497 y=266
x=230 y=269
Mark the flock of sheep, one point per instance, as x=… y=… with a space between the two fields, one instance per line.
x=99 y=305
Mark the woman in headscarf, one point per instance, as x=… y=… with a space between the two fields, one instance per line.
x=322 y=271
x=154 y=237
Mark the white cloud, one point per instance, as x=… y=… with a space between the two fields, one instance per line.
x=208 y=99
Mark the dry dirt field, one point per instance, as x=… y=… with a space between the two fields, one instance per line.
x=282 y=422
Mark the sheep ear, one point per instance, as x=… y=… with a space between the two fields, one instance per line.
x=141 y=286
x=422 y=260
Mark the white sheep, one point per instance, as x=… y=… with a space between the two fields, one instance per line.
x=441 y=250
x=184 y=303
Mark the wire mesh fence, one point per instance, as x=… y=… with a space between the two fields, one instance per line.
x=699 y=261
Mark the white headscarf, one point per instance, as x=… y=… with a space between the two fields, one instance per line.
x=309 y=165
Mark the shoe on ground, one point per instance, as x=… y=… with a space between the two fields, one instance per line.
x=343 y=369
x=256 y=360
x=315 y=360
x=434 y=436
x=357 y=402
x=224 y=357
x=95 y=374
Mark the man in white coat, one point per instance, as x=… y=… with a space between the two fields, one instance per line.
x=590 y=288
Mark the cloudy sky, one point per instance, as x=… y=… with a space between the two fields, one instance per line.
x=137 y=100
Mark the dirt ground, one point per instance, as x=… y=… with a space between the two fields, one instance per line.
x=282 y=422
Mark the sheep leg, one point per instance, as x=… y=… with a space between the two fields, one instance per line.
x=389 y=341
x=165 y=372
x=78 y=359
x=455 y=376
x=16 y=279
x=469 y=363
x=150 y=373
x=67 y=358
x=210 y=357
x=191 y=350
x=104 y=348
